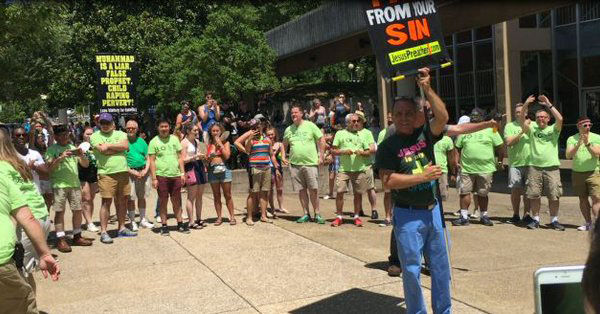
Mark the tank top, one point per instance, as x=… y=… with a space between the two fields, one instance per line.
x=320 y=117
x=192 y=114
x=211 y=118
x=259 y=154
x=340 y=114
x=191 y=149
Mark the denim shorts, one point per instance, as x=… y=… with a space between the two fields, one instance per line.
x=222 y=177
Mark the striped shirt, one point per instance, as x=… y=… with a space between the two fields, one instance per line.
x=260 y=156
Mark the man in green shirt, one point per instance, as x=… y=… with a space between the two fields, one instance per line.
x=353 y=152
x=110 y=148
x=478 y=162
x=519 y=160
x=544 y=174
x=387 y=194
x=168 y=175
x=62 y=160
x=445 y=157
x=367 y=137
x=584 y=149
x=137 y=161
x=306 y=144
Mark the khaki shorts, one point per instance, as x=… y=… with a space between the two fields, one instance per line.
x=17 y=295
x=479 y=184
x=305 y=177
x=370 y=178
x=31 y=259
x=543 y=181
x=261 y=179
x=141 y=187
x=443 y=181
x=114 y=185
x=61 y=196
x=586 y=184
x=358 y=179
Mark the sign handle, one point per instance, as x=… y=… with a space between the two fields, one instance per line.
x=401 y=77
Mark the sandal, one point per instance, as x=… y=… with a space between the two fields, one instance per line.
x=218 y=222
x=202 y=223
x=232 y=222
x=266 y=220
x=196 y=226
x=249 y=222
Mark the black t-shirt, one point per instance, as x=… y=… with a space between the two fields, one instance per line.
x=408 y=155
x=244 y=116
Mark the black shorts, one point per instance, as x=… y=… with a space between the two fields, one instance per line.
x=89 y=174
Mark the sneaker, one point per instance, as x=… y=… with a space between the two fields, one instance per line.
x=374 y=215
x=456 y=213
x=527 y=219
x=585 y=227
x=336 y=222
x=394 y=271
x=157 y=219
x=164 y=230
x=474 y=215
x=485 y=220
x=557 y=226
x=126 y=233
x=385 y=223
x=358 y=222
x=460 y=222
x=92 y=228
x=534 y=224
x=303 y=219
x=134 y=226
x=105 y=238
x=515 y=220
x=183 y=228
x=319 y=219
x=146 y=224
x=327 y=197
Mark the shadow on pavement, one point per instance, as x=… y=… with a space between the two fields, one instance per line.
x=354 y=301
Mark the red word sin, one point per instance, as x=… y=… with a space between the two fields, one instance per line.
x=417 y=30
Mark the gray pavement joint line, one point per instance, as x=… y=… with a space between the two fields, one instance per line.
x=216 y=275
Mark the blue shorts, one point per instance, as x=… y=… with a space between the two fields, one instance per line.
x=222 y=177
x=335 y=165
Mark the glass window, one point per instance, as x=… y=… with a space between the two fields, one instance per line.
x=590 y=53
x=449 y=70
x=464 y=59
x=568 y=100
x=451 y=107
x=463 y=37
x=483 y=33
x=566 y=52
x=484 y=56
x=448 y=41
x=565 y=15
x=446 y=88
x=589 y=10
x=529 y=73
x=546 y=71
x=529 y=21
x=465 y=85
x=544 y=19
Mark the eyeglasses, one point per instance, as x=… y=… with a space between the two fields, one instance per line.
x=587 y=125
x=20 y=135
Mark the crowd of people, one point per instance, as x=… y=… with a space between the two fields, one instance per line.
x=45 y=166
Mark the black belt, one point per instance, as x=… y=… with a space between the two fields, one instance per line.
x=416 y=207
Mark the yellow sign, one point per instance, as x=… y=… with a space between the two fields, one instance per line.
x=413 y=53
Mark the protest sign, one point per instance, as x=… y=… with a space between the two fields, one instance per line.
x=405 y=35
x=117 y=77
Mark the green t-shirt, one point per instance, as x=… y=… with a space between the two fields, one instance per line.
x=136 y=156
x=167 y=156
x=350 y=140
x=10 y=199
x=28 y=190
x=303 y=141
x=66 y=174
x=408 y=155
x=381 y=136
x=477 y=151
x=109 y=164
x=583 y=160
x=441 y=149
x=544 y=145
x=366 y=137
x=519 y=154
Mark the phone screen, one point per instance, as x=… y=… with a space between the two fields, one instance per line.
x=559 y=298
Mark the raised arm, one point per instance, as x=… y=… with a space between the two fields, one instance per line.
x=466 y=128
x=440 y=114
x=240 y=142
x=399 y=181
x=523 y=116
x=202 y=114
x=544 y=101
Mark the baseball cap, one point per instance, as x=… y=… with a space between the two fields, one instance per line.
x=105 y=116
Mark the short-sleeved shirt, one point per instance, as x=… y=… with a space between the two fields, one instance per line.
x=441 y=149
x=28 y=190
x=136 y=155
x=65 y=174
x=477 y=151
x=109 y=164
x=10 y=199
x=519 y=154
x=367 y=137
x=167 y=155
x=303 y=140
x=344 y=140
x=37 y=159
x=583 y=161
x=408 y=155
x=544 y=145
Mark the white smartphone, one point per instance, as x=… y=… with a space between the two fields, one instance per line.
x=558 y=290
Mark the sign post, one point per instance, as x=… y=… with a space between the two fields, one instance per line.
x=117 y=78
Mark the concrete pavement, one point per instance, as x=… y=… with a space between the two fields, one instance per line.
x=303 y=268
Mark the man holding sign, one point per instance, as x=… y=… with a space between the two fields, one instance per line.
x=405 y=168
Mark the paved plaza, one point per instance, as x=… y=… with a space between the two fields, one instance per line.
x=304 y=268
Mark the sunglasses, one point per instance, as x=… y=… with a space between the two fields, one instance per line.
x=587 y=125
x=20 y=135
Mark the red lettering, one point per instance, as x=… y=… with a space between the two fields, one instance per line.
x=377 y=3
x=397 y=36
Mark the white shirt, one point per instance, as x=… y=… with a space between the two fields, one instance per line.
x=37 y=159
x=464 y=119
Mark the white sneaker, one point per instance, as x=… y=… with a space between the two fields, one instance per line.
x=158 y=220
x=585 y=227
x=327 y=197
x=474 y=215
x=92 y=228
x=146 y=224
x=134 y=226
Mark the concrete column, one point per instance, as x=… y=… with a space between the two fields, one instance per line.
x=384 y=96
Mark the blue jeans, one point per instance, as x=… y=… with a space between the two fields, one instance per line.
x=418 y=232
